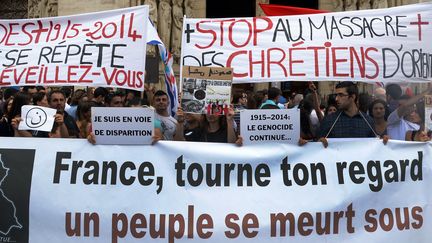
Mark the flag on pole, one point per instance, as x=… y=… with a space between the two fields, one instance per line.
x=167 y=59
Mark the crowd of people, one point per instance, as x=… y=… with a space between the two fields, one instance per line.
x=389 y=113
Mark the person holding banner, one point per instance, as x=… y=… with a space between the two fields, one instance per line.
x=206 y=128
x=405 y=118
x=379 y=111
x=420 y=136
x=84 y=117
x=189 y=126
x=219 y=128
x=349 y=121
x=240 y=100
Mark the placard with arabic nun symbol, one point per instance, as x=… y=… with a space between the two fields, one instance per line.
x=37 y=118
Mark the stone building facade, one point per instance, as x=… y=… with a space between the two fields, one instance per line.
x=13 y=9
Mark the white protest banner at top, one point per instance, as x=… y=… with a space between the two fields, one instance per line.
x=96 y=49
x=386 y=45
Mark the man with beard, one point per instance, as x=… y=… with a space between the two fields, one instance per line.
x=348 y=121
x=63 y=121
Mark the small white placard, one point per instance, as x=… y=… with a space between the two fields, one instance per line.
x=278 y=125
x=37 y=118
x=122 y=125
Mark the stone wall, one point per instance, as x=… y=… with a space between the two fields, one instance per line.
x=13 y=9
x=42 y=8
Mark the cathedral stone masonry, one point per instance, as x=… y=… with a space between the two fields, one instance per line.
x=13 y=9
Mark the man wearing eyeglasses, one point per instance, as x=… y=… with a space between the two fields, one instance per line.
x=348 y=121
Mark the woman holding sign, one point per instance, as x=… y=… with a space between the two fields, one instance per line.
x=209 y=128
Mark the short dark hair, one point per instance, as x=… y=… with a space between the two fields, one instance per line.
x=110 y=96
x=136 y=101
x=379 y=101
x=160 y=93
x=38 y=96
x=67 y=91
x=39 y=88
x=54 y=92
x=9 y=92
x=100 y=91
x=273 y=93
x=19 y=100
x=394 y=91
x=237 y=96
x=77 y=96
x=26 y=88
x=350 y=87
x=364 y=102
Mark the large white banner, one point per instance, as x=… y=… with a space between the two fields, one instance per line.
x=65 y=190
x=95 y=49
x=388 y=45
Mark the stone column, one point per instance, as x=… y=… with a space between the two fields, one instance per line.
x=165 y=22
x=331 y=6
x=350 y=5
x=364 y=4
x=379 y=4
x=42 y=8
x=153 y=15
x=195 y=8
x=176 y=30
x=70 y=7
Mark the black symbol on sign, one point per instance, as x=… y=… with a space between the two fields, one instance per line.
x=36 y=117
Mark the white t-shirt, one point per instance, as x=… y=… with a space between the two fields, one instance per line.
x=168 y=124
x=398 y=126
x=315 y=123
